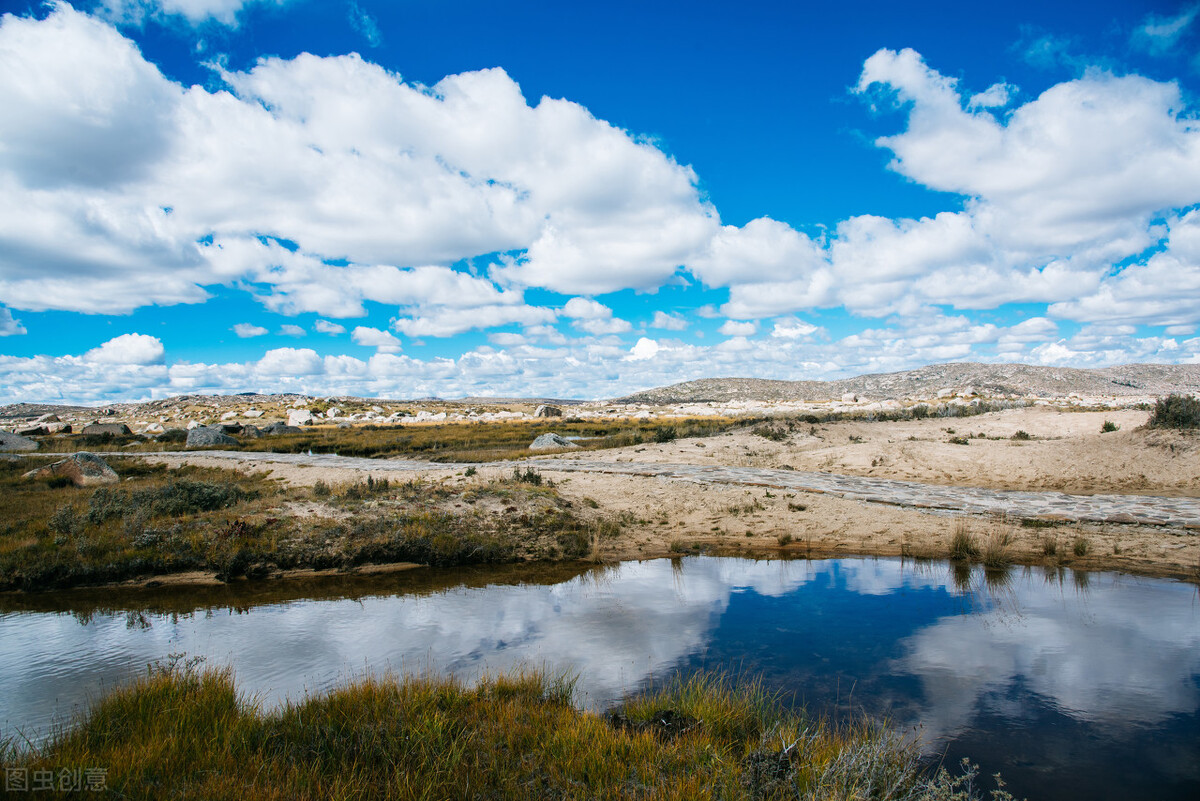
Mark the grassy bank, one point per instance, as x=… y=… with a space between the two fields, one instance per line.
x=160 y=521
x=437 y=442
x=185 y=733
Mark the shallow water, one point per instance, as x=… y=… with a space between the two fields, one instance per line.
x=1070 y=684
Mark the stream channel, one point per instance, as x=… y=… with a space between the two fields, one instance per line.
x=1071 y=684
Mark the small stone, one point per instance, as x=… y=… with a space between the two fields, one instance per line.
x=549 y=442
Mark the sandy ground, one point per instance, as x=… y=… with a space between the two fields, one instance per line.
x=1068 y=453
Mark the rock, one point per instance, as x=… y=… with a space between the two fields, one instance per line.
x=229 y=428
x=193 y=424
x=344 y=425
x=228 y=416
x=48 y=418
x=377 y=409
x=945 y=393
x=116 y=429
x=83 y=469
x=33 y=431
x=332 y=412
x=153 y=429
x=252 y=413
x=849 y=397
x=299 y=417
x=253 y=432
x=206 y=436
x=549 y=442
x=15 y=442
x=58 y=428
x=280 y=428
x=547 y=411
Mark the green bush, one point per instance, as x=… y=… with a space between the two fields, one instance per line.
x=1108 y=427
x=1176 y=411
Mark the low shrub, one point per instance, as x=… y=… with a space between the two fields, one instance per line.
x=1176 y=411
x=1108 y=427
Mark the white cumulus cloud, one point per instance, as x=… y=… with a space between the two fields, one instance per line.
x=128 y=349
x=9 y=326
x=382 y=341
x=247 y=330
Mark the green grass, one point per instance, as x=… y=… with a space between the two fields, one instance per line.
x=160 y=521
x=186 y=732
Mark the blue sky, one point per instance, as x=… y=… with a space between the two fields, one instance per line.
x=475 y=198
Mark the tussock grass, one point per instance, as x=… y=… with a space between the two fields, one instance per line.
x=187 y=732
x=997 y=550
x=963 y=547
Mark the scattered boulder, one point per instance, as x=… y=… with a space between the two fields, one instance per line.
x=547 y=411
x=58 y=428
x=299 y=417
x=253 y=432
x=116 y=429
x=48 y=418
x=207 y=436
x=83 y=469
x=33 y=431
x=228 y=416
x=230 y=428
x=332 y=412
x=193 y=424
x=849 y=397
x=152 y=430
x=15 y=442
x=549 y=442
x=252 y=413
x=280 y=428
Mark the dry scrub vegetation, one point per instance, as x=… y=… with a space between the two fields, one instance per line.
x=161 y=521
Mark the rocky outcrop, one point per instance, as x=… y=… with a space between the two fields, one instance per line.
x=545 y=410
x=83 y=469
x=206 y=437
x=15 y=442
x=550 y=442
x=961 y=379
x=280 y=428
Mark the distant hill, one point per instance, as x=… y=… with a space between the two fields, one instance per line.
x=925 y=382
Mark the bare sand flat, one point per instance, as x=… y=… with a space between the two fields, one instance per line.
x=1066 y=453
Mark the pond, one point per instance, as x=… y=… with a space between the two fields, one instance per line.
x=1070 y=684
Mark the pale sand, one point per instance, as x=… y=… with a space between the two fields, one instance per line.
x=1068 y=454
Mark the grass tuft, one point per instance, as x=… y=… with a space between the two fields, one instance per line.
x=963 y=547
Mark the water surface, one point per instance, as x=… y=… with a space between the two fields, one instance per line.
x=1071 y=684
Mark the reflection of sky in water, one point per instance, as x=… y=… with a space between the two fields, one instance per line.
x=893 y=638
